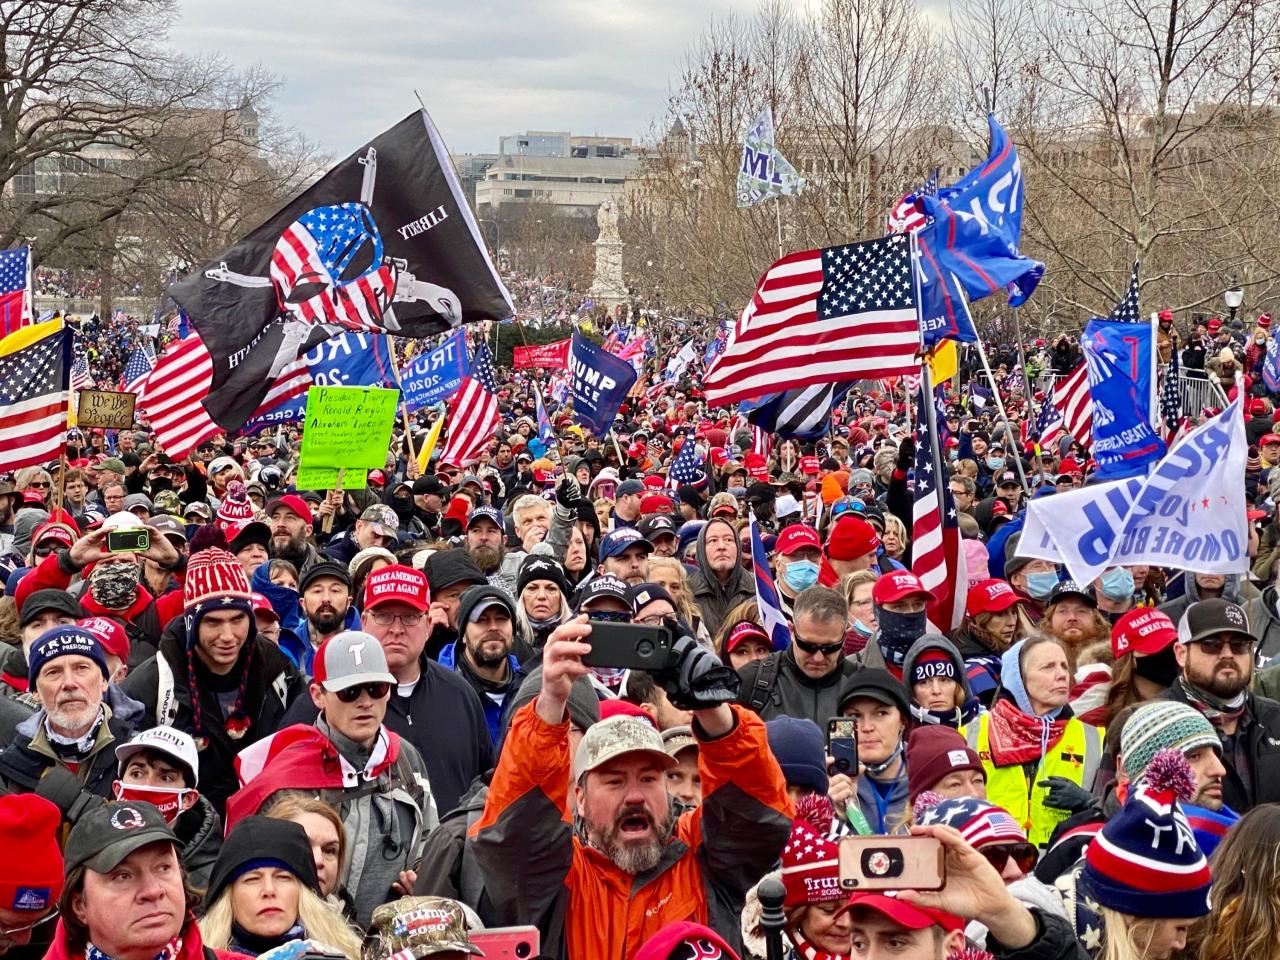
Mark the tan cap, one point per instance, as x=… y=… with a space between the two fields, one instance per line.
x=675 y=739
x=419 y=927
x=612 y=738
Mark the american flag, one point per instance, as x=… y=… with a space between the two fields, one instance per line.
x=936 y=557
x=80 y=379
x=172 y=397
x=1048 y=425
x=1126 y=311
x=35 y=368
x=473 y=412
x=767 y=602
x=1074 y=407
x=15 y=289
x=136 y=370
x=761 y=440
x=315 y=253
x=1171 y=402
x=687 y=465
x=293 y=381
x=546 y=432
x=822 y=316
x=904 y=217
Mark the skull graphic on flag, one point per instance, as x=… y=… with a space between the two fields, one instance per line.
x=328 y=267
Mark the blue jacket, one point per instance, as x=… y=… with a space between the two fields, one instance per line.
x=493 y=711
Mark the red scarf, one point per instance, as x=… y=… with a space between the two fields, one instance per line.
x=807 y=951
x=1016 y=738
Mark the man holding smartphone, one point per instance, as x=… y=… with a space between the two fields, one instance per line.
x=580 y=887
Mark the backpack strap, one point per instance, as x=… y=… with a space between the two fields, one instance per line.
x=766 y=677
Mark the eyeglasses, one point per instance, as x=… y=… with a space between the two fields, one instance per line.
x=376 y=691
x=653 y=620
x=10 y=932
x=826 y=649
x=384 y=619
x=1213 y=646
x=1025 y=855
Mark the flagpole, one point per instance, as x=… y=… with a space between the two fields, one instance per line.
x=777 y=215
x=1033 y=415
x=995 y=392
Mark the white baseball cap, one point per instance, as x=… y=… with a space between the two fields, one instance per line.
x=167 y=740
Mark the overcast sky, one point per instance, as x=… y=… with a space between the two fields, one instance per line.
x=483 y=67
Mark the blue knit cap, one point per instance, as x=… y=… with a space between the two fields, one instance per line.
x=64 y=641
x=801 y=752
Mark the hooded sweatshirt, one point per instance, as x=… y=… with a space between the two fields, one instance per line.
x=952 y=718
x=716 y=599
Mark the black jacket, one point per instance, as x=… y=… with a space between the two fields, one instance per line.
x=272 y=685
x=793 y=692
x=444 y=719
x=199 y=831
x=1262 y=730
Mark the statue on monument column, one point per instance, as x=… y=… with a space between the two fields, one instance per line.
x=607 y=220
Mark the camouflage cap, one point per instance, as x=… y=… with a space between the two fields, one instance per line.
x=612 y=738
x=419 y=927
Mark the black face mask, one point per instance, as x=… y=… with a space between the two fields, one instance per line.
x=898 y=631
x=159 y=484
x=1160 y=668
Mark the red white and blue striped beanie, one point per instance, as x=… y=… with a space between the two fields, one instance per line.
x=1145 y=862
x=980 y=822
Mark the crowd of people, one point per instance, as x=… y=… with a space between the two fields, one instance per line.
x=394 y=721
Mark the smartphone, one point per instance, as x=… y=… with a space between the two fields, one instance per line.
x=892 y=863
x=128 y=541
x=508 y=943
x=842 y=745
x=633 y=646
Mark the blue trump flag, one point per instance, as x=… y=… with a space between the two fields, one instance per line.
x=1118 y=351
x=600 y=384
x=1271 y=365
x=977 y=226
x=347 y=360
x=436 y=374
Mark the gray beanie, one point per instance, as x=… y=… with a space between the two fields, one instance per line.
x=1012 y=563
x=24 y=525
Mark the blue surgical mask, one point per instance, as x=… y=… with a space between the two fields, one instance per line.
x=801 y=574
x=1117 y=584
x=995 y=463
x=862 y=629
x=1041 y=584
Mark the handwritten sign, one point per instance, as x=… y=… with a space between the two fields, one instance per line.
x=348 y=427
x=105 y=408
x=326 y=478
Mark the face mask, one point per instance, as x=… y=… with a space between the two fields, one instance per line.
x=861 y=629
x=800 y=574
x=738 y=492
x=898 y=631
x=1117 y=584
x=995 y=463
x=1040 y=585
x=1160 y=668
x=113 y=585
x=159 y=484
x=169 y=802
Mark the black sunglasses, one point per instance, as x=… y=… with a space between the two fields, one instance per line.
x=826 y=649
x=376 y=691
x=1025 y=855
x=1239 y=646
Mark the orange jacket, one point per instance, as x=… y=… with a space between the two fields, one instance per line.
x=539 y=870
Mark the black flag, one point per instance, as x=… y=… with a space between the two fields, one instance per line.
x=383 y=243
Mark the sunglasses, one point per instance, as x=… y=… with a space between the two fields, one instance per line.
x=1239 y=646
x=826 y=649
x=1025 y=855
x=376 y=691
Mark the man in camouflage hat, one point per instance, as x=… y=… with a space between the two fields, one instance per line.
x=376 y=527
x=420 y=927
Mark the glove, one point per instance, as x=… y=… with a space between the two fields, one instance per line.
x=695 y=678
x=1068 y=796
x=568 y=490
x=906 y=454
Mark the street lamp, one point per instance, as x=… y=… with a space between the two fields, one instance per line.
x=1233 y=298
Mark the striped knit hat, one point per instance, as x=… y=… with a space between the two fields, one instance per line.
x=216 y=582
x=1163 y=725
x=1145 y=862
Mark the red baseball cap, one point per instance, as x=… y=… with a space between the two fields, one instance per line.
x=53 y=530
x=797 y=537
x=1267 y=439
x=1214 y=324
x=110 y=634
x=377 y=478
x=293 y=502
x=741 y=632
x=990 y=596
x=1145 y=631
x=896 y=585
x=913 y=916
x=262 y=605
x=397 y=582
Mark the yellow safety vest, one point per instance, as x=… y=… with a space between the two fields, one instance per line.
x=1076 y=757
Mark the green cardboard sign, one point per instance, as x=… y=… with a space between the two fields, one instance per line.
x=348 y=427
x=326 y=478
